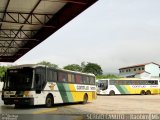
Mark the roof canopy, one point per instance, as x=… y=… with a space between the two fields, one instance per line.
x=26 y=23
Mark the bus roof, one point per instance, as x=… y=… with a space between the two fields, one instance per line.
x=26 y=65
x=128 y=79
x=36 y=65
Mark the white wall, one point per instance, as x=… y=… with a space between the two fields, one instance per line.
x=143 y=75
x=153 y=69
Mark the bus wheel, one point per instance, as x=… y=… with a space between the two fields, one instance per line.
x=142 y=92
x=111 y=93
x=85 y=99
x=49 y=101
x=148 y=92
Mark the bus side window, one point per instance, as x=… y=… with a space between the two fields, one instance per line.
x=73 y=78
x=78 y=79
x=84 y=79
x=112 y=82
x=69 y=78
x=62 y=77
x=87 y=80
x=156 y=82
x=54 y=73
x=142 y=82
x=49 y=75
x=92 y=81
x=150 y=82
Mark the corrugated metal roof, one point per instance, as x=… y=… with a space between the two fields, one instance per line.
x=26 y=23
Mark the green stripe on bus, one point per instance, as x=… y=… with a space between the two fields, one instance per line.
x=64 y=91
x=125 y=89
x=122 y=89
x=69 y=95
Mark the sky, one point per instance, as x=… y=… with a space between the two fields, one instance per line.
x=111 y=33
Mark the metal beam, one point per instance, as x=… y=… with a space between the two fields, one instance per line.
x=20 y=17
x=29 y=25
x=67 y=1
x=5 y=11
x=9 y=33
x=16 y=47
x=24 y=23
x=7 y=40
x=26 y=13
x=67 y=13
x=63 y=16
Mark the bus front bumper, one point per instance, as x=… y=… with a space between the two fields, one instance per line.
x=18 y=101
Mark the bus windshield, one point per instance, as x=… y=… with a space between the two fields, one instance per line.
x=102 y=84
x=19 y=79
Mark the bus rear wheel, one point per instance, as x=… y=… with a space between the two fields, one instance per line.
x=49 y=101
x=148 y=92
x=85 y=99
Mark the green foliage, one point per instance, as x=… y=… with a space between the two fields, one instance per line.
x=93 y=68
x=73 y=67
x=83 y=65
x=48 y=64
x=2 y=71
x=106 y=76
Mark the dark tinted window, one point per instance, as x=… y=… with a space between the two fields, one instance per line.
x=51 y=75
x=92 y=80
x=71 y=78
x=85 y=79
x=78 y=79
x=62 y=77
x=40 y=80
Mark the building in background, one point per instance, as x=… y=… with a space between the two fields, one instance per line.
x=147 y=70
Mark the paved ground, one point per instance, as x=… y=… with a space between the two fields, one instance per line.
x=122 y=104
x=103 y=105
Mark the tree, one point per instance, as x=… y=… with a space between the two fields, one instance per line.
x=107 y=76
x=93 y=68
x=73 y=67
x=83 y=64
x=48 y=64
x=2 y=71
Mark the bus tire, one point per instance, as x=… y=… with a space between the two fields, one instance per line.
x=148 y=92
x=49 y=101
x=142 y=92
x=111 y=93
x=85 y=99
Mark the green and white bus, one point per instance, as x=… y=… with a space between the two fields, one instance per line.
x=127 y=86
x=38 y=84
